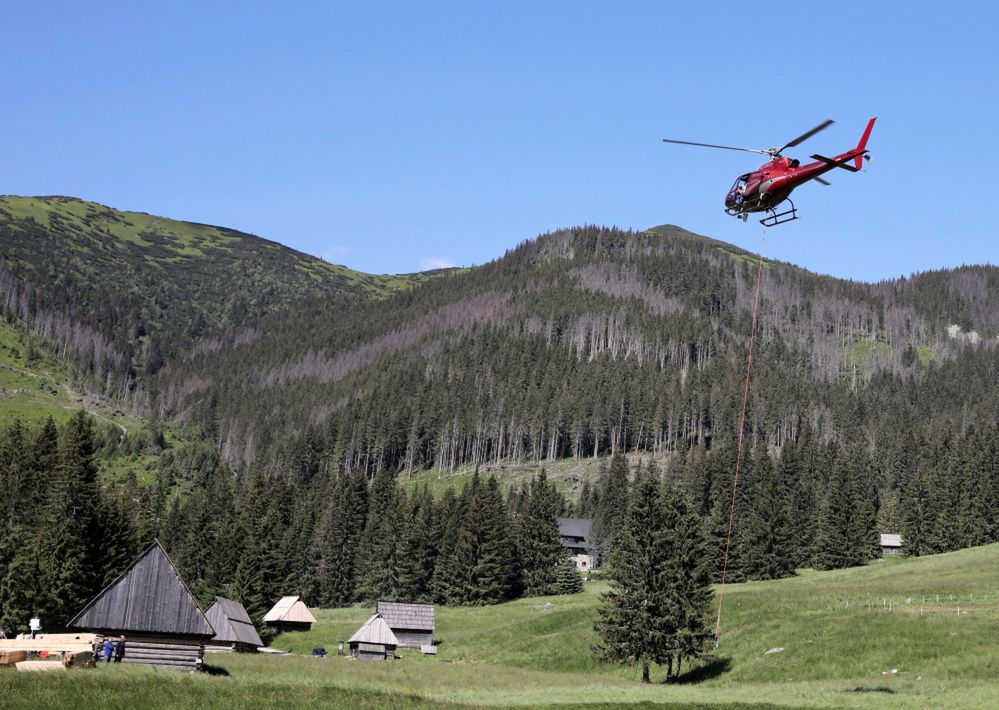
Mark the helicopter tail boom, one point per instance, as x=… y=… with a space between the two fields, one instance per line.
x=862 y=145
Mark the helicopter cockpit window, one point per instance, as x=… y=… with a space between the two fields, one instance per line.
x=738 y=190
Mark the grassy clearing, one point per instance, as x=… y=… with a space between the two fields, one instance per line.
x=567 y=474
x=840 y=647
x=928 y=356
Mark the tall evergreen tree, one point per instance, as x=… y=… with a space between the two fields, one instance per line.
x=541 y=551
x=654 y=612
x=70 y=548
x=612 y=505
x=339 y=538
x=765 y=535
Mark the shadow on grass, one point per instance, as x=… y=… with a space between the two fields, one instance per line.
x=214 y=670
x=712 y=669
x=870 y=689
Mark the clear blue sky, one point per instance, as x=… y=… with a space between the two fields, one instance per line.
x=393 y=136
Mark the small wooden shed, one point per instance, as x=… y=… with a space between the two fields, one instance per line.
x=891 y=544
x=234 y=631
x=290 y=614
x=374 y=641
x=151 y=607
x=412 y=624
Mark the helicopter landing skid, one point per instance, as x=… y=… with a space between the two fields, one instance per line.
x=774 y=218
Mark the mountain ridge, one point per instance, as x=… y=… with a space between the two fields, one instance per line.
x=126 y=291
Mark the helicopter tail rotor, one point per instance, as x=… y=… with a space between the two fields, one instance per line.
x=862 y=145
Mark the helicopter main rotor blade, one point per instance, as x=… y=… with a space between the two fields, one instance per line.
x=805 y=136
x=712 y=145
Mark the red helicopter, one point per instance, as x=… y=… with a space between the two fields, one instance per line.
x=764 y=189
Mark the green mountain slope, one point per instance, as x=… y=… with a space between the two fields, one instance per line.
x=126 y=291
x=589 y=340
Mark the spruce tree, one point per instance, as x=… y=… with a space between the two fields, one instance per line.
x=612 y=504
x=339 y=536
x=687 y=579
x=764 y=535
x=70 y=548
x=538 y=538
x=833 y=540
x=655 y=611
x=568 y=580
x=917 y=516
x=380 y=571
x=495 y=574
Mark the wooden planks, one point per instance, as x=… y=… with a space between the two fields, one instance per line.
x=50 y=642
x=40 y=666
x=9 y=658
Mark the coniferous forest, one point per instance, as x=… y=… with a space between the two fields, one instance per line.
x=314 y=400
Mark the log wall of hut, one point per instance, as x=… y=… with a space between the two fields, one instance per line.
x=164 y=651
x=413 y=638
x=372 y=651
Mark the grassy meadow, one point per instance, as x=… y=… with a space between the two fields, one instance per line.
x=842 y=648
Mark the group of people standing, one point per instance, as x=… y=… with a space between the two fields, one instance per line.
x=113 y=649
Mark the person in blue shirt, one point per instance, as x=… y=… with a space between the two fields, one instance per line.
x=108 y=650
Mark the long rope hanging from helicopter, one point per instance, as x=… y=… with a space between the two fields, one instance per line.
x=741 y=437
x=765 y=190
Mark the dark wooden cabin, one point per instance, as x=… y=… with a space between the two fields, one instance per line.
x=234 y=631
x=374 y=641
x=412 y=624
x=151 y=607
x=575 y=534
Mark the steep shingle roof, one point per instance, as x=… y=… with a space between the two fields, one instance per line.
x=231 y=623
x=575 y=527
x=375 y=630
x=890 y=540
x=407 y=616
x=290 y=609
x=149 y=596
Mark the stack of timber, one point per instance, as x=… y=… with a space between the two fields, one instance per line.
x=151 y=608
x=164 y=651
x=13 y=651
x=52 y=643
x=9 y=658
x=40 y=666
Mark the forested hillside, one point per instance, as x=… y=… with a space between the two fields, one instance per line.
x=120 y=293
x=872 y=408
x=590 y=341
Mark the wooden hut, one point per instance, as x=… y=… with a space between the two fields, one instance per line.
x=374 y=641
x=234 y=631
x=151 y=607
x=290 y=614
x=412 y=624
x=891 y=544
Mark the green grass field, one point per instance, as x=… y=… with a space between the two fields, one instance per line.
x=842 y=648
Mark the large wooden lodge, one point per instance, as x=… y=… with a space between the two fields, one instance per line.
x=152 y=609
